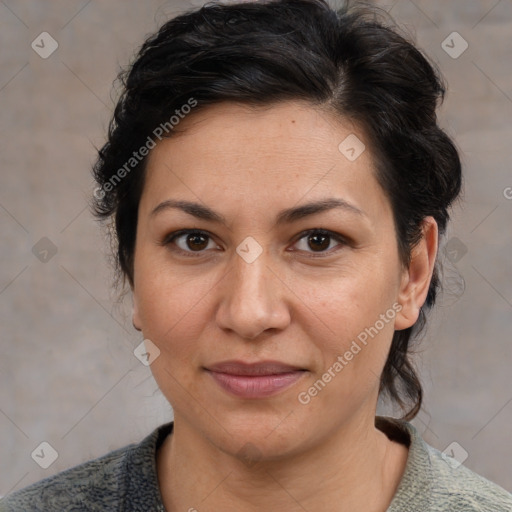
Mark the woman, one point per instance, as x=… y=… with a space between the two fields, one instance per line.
x=279 y=184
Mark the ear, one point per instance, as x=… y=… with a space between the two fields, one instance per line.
x=135 y=313
x=416 y=279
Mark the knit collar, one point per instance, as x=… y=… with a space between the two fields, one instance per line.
x=413 y=492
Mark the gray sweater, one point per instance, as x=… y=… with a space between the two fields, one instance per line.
x=126 y=480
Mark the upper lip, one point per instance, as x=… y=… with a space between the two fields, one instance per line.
x=259 y=368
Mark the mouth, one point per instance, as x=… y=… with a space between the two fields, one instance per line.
x=254 y=380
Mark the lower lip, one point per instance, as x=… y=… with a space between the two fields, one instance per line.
x=260 y=386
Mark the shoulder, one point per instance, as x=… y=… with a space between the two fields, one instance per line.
x=105 y=483
x=464 y=489
x=435 y=482
x=93 y=485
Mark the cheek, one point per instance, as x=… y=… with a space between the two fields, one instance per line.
x=174 y=308
x=350 y=369
x=172 y=312
x=351 y=324
x=343 y=306
x=168 y=297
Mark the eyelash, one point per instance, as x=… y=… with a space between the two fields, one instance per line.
x=169 y=239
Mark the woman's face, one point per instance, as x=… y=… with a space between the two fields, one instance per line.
x=264 y=285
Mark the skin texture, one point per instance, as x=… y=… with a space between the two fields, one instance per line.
x=299 y=302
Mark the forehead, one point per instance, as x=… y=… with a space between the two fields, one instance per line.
x=292 y=126
x=278 y=153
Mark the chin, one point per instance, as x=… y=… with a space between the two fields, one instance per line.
x=258 y=435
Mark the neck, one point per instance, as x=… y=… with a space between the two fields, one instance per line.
x=356 y=468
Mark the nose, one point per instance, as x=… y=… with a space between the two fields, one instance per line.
x=253 y=298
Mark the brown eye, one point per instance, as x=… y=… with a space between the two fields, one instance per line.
x=319 y=241
x=313 y=241
x=196 y=242
x=189 y=241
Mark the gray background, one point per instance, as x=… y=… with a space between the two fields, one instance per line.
x=68 y=373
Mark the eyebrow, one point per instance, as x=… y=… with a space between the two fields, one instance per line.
x=286 y=216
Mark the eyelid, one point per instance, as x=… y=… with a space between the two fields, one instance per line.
x=342 y=240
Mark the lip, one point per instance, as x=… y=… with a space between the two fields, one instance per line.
x=254 y=380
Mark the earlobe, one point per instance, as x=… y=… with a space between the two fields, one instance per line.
x=135 y=314
x=416 y=279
